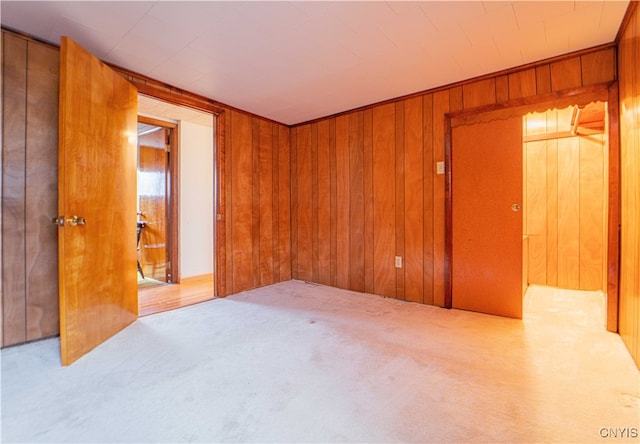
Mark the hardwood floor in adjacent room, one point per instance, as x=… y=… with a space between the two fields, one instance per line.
x=165 y=297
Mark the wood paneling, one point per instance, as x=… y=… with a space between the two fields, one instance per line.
x=629 y=77
x=384 y=243
x=384 y=156
x=259 y=203
x=565 y=205
x=413 y=200
x=29 y=192
x=152 y=203
x=598 y=67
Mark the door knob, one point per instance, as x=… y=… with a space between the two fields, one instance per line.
x=515 y=207
x=76 y=220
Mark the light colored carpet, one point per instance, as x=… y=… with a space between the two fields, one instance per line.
x=296 y=362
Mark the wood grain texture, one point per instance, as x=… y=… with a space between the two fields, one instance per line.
x=356 y=203
x=41 y=195
x=428 y=169
x=592 y=212
x=304 y=191
x=536 y=211
x=98 y=289
x=552 y=213
x=482 y=92
x=255 y=202
x=502 y=89
x=629 y=77
x=568 y=213
x=342 y=201
x=241 y=225
x=399 y=198
x=14 y=147
x=314 y=205
x=543 y=79
x=440 y=108
x=266 y=220
x=486 y=234
x=324 y=205
x=522 y=84
x=284 y=207
x=368 y=199
x=516 y=88
x=413 y=200
x=384 y=279
x=598 y=67
x=566 y=74
x=152 y=203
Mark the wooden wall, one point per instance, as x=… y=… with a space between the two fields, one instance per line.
x=258 y=203
x=152 y=204
x=365 y=186
x=629 y=75
x=252 y=152
x=29 y=191
x=565 y=203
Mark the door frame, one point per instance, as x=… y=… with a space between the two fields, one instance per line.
x=173 y=195
x=166 y=93
x=604 y=92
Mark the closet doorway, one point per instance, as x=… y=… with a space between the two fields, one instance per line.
x=565 y=208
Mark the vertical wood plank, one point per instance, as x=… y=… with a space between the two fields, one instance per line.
x=543 y=79
x=305 y=252
x=343 y=200
x=568 y=214
x=324 y=205
x=1 y=188
x=552 y=213
x=522 y=84
x=428 y=195
x=294 y=202
x=399 y=203
x=413 y=200
x=592 y=186
x=456 y=99
x=284 y=207
x=536 y=213
x=14 y=182
x=275 y=202
x=255 y=204
x=41 y=192
x=368 y=199
x=440 y=108
x=479 y=93
x=229 y=213
x=356 y=203
x=314 y=204
x=333 y=266
x=502 y=89
x=384 y=196
x=242 y=203
x=566 y=74
x=266 y=194
x=598 y=67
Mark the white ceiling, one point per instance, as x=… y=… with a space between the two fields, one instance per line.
x=294 y=61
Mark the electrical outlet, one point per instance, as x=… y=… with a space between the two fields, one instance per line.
x=440 y=168
x=398 y=261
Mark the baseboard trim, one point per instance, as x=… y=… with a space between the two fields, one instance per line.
x=197 y=279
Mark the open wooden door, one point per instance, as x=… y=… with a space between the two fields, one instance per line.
x=486 y=233
x=96 y=202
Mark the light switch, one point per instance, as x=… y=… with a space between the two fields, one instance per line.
x=440 y=167
x=398 y=261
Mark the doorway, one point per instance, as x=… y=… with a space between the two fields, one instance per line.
x=190 y=185
x=155 y=201
x=568 y=172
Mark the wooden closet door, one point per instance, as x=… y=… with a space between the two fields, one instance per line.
x=486 y=225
